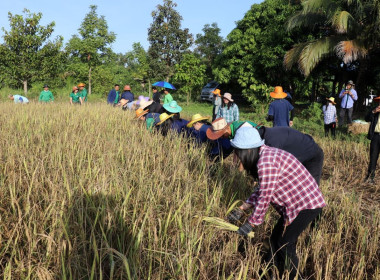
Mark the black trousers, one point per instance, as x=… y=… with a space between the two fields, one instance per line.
x=328 y=127
x=374 y=150
x=283 y=241
x=315 y=164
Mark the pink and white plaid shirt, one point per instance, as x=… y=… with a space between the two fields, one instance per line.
x=286 y=184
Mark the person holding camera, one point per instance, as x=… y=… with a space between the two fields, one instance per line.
x=349 y=96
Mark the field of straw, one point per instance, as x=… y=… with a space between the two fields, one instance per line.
x=88 y=193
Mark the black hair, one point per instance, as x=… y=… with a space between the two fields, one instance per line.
x=117 y=85
x=176 y=116
x=229 y=104
x=154 y=88
x=249 y=159
x=165 y=126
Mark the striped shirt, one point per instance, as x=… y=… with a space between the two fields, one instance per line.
x=285 y=184
x=230 y=115
x=329 y=113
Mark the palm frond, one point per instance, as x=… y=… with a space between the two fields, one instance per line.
x=342 y=21
x=311 y=20
x=351 y=50
x=292 y=56
x=309 y=6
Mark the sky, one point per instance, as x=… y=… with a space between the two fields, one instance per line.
x=129 y=19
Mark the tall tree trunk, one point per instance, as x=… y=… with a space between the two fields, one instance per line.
x=360 y=84
x=89 y=80
x=333 y=89
x=25 y=82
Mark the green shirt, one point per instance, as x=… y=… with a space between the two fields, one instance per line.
x=46 y=96
x=75 y=97
x=83 y=94
x=116 y=97
x=235 y=125
x=168 y=98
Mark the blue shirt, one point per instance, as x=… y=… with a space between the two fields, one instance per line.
x=280 y=109
x=112 y=95
x=347 y=100
x=20 y=99
x=180 y=125
x=127 y=95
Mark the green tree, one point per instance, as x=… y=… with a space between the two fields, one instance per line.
x=209 y=45
x=93 y=45
x=190 y=74
x=26 y=54
x=167 y=40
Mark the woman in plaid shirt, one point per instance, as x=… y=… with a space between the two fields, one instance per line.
x=285 y=184
x=229 y=110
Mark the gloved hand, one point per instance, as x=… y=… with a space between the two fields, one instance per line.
x=245 y=229
x=235 y=215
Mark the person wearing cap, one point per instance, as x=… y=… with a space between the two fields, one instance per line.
x=280 y=109
x=301 y=145
x=349 y=96
x=114 y=96
x=156 y=95
x=284 y=183
x=228 y=110
x=168 y=97
x=165 y=123
x=329 y=116
x=179 y=125
x=128 y=96
x=82 y=92
x=374 y=135
x=46 y=95
x=75 y=97
x=18 y=99
x=217 y=102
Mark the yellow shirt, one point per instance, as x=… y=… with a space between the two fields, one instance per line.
x=377 y=127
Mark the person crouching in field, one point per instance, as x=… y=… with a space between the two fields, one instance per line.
x=46 y=95
x=179 y=125
x=329 y=116
x=284 y=183
x=75 y=97
x=165 y=123
x=374 y=136
x=150 y=119
x=18 y=99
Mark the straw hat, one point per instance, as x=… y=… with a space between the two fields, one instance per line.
x=217 y=129
x=216 y=92
x=164 y=117
x=196 y=118
x=247 y=138
x=172 y=107
x=145 y=103
x=81 y=85
x=140 y=112
x=332 y=99
x=278 y=93
x=123 y=101
x=228 y=96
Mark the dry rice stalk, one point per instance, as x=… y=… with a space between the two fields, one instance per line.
x=222 y=224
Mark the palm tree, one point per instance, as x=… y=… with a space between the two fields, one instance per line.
x=348 y=29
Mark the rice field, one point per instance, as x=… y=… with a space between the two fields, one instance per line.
x=88 y=193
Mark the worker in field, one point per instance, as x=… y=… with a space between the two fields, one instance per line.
x=280 y=111
x=46 y=96
x=301 y=145
x=114 y=95
x=217 y=103
x=75 y=97
x=179 y=125
x=128 y=97
x=82 y=91
x=284 y=183
x=228 y=110
x=18 y=99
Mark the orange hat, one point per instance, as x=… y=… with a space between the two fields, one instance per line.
x=140 y=112
x=377 y=99
x=81 y=85
x=278 y=93
x=74 y=88
x=216 y=91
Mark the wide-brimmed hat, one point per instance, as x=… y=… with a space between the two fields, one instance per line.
x=127 y=87
x=331 y=99
x=350 y=82
x=278 y=93
x=172 y=107
x=123 y=101
x=377 y=99
x=75 y=88
x=228 y=96
x=217 y=129
x=144 y=103
x=196 y=118
x=247 y=138
x=216 y=91
x=164 y=117
x=140 y=112
x=81 y=85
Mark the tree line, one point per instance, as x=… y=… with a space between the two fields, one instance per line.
x=310 y=47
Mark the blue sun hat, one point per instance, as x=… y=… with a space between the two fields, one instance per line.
x=247 y=138
x=172 y=107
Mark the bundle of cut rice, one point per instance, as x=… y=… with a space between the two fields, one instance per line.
x=358 y=128
x=222 y=224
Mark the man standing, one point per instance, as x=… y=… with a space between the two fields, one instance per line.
x=46 y=95
x=156 y=95
x=374 y=136
x=280 y=109
x=349 y=96
x=18 y=99
x=82 y=92
x=128 y=96
x=113 y=96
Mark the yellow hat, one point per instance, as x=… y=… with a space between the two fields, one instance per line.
x=164 y=117
x=332 y=99
x=140 y=112
x=196 y=118
x=81 y=85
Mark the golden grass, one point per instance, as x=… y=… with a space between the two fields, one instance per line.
x=87 y=193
